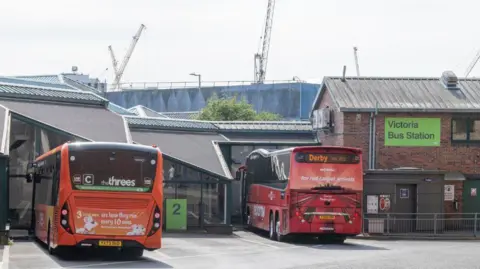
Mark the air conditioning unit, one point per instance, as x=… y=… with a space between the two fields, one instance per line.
x=321 y=118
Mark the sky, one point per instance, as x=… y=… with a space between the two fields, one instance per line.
x=311 y=39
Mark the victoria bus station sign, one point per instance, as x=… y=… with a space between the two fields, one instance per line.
x=110 y=183
x=412 y=132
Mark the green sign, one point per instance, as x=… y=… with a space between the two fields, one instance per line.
x=412 y=132
x=176 y=214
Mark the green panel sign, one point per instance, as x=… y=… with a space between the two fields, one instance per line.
x=176 y=214
x=412 y=132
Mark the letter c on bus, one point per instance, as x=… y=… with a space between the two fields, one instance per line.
x=87 y=179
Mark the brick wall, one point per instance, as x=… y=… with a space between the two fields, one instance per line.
x=456 y=157
x=332 y=137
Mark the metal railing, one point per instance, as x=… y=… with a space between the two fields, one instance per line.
x=192 y=84
x=423 y=224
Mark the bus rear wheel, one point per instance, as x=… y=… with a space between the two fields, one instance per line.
x=51 y=250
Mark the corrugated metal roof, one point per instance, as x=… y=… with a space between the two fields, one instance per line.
x=401 y=94
x=223 y=126
x=31 y=92
x=54 y=79
x=160 y=123
x=294 y=126
x=33 y=83
x=190 y=115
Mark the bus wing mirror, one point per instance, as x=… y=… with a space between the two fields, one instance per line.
x=29 y=178
x=31 y=175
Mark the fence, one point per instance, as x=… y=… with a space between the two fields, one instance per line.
x=167 y=85
x=423 y=224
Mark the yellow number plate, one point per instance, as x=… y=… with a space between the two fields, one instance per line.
x=327 y=217
x=110 y=243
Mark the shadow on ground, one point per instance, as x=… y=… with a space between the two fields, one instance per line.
x=101 y=258
x=319 y=243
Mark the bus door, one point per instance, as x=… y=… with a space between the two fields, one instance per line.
x=240 y=176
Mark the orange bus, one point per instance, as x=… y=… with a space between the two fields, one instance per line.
x=96 y=194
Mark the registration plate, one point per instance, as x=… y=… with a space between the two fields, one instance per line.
x=327 y=217
x=103 y=243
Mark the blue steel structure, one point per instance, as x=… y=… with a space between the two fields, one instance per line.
x=292 y=100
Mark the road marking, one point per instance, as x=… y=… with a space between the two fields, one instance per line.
x=99 y=264
x=223 y=253
x=163 y=254
x=5 y=258
x=258 y=243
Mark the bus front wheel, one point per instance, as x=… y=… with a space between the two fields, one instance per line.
x=272 y=234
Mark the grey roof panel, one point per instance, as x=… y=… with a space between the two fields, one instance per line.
x=34 y=83
x=194 y=148
x=402 y=94
x=271 y=137
x=53 y=79
x=90 y=122
x=287 y=126
x=190 y=115
x=160 y=123
x=27 y=92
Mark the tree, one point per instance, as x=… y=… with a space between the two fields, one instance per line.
x=229 y=109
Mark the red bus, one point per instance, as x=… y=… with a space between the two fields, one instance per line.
x=313 y=191
x=93 y=194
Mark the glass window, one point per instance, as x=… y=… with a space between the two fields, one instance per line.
x=107 y=170
x=214 y=203
x=466 y=129
x=474 y=130
x=175 y=171
x=459 y=129
x=191 y=192
x=240 y=153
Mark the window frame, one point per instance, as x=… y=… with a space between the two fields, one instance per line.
x=468 y=121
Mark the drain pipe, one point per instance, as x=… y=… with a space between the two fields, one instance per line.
x=374 y=137
x=370 y=142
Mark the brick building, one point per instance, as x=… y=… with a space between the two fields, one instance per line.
x=420 y=134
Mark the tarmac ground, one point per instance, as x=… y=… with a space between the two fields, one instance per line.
x=251 y=250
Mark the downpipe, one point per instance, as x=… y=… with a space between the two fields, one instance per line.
x=370 y=142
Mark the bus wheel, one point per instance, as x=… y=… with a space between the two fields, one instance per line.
x=249 y=220
x=51 y=250
x=280 y=237
x=271 y=231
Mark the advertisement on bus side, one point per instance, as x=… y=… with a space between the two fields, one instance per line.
x=111 y=222
x=347 y=177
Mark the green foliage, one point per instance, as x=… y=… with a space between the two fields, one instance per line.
x=229 y=109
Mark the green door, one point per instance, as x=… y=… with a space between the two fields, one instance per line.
x=471 y=196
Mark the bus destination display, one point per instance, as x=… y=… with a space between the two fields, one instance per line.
x=340 y=158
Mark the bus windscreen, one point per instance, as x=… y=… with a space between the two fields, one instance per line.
x=112 y=170
x=326 y=171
